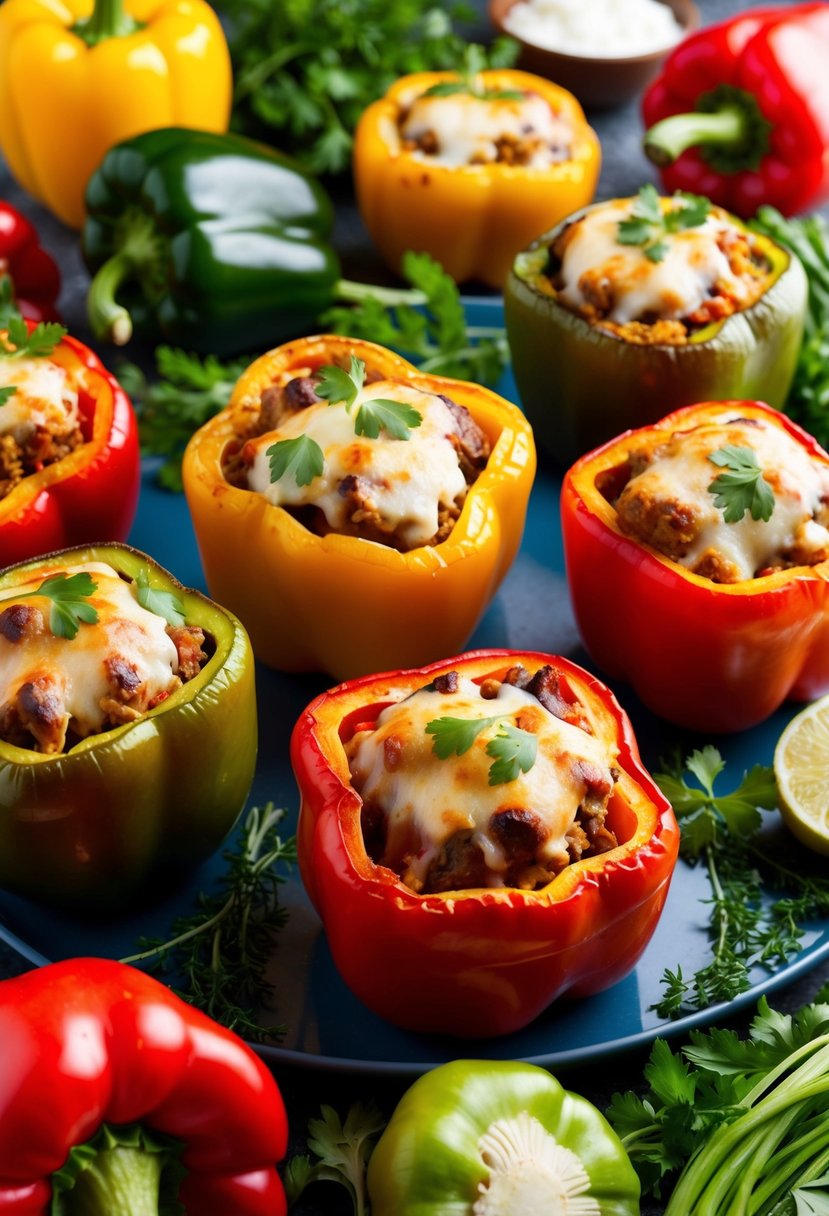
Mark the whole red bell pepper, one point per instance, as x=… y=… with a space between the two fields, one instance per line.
x=90 y=494
x=482 y=961
x=740 y=112
x=34 y=275
x=121 y=1099
x=709 y=656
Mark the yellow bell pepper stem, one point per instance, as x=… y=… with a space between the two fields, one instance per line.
x=108 y=20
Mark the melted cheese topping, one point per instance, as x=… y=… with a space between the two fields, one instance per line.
x=683 y=474
x=670 y=290
x=436 y=798
x=76 y=669
x=466 y=128
x=43 y=399
x=408 y=479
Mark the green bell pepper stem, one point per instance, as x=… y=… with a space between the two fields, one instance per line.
x=108 y=20
x=110 y=321
x=667 y=140
x=123 y=1180
x=353 y=293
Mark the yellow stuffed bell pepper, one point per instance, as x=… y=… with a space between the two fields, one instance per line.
x=338 y=602
x=446 y=165
x=76 y=79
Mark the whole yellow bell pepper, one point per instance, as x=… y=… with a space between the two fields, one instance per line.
x=342 y=604
x=76 y=79
x=473 y=218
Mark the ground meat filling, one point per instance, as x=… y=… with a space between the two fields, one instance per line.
x=21 y=458
x=528 y=850
x=360 y=514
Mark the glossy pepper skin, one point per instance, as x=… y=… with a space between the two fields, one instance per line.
x=486 y=961
x=74 y=80
x=92 y=493
x=740 y=112
x=434 y=1158
x=472 y=218
x=342 y=604
x=91 y=1042
x=215 y=242
x=707 y=656
x=580 y=385
x=34 y=274
x=151 y=796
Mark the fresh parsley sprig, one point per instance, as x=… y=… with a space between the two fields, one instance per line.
x=743 y=488
x=165 y=604
x=648 y=224
x=513 y=750
x=18 y=343
x=219 y=956
x=342 y=1149
x=68 y=594
x=722 y=831
x=469 y=81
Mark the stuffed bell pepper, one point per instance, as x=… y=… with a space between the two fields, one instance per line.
x=117 y=1099
x=471 y=168
x=697 y=554
x=355 y=513
x=69 y=460
x=479 y=836
x=499 y=1138
x=638 y=306
x=127 y=725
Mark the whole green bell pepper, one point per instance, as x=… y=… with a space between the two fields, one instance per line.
x=580 y=385
x=497 y=1138
x=217 y=243
x=92 y=825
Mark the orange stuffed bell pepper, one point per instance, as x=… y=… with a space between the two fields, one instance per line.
x=78 y=77
x=470 y=168
x=479 y=836
x=697 y=553
x=350 y=537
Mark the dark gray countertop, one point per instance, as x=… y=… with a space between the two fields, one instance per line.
x=624 y=170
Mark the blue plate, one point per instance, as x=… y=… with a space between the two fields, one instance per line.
x=327 y=1026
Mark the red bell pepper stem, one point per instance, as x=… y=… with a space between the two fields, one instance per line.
x=108 y=20
x=667 y=140
x=123 y=1180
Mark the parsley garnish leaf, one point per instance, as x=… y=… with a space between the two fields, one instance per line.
x=454 y=736
x=514 y=750
x=302 y=457
x=340 y=387
x=469 y=81
x=647 y=223
x=342 y=1149
x=379 y=414
x=743 y=488
x=68 y=593
x=19 y=343
x=6 y=393
x=165 y=604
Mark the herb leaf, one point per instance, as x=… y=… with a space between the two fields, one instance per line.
x=379 y=414
x=165 y=604
x=337 y=386
x=454 y=736
x=68 y=593
x=514 y=751
x=469 y=81
x=343 y=1150
x=647 y=223
x=19 y=343
x=743 y=488
x=6 y=393
x=301 y=457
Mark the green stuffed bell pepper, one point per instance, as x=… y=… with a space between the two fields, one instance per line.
x=497 y=1138
x=215 y=242
x=635 y=307
x=127 y=725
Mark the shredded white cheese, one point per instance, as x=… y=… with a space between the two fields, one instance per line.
x=43 y=398
x=595 y=28
x=466 y=128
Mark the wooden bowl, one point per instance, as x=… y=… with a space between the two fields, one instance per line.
x=599 y=82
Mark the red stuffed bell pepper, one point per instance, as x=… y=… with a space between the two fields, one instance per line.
x=86 y=487
x=35 y=277
x=714 y=620
x=118 y=1099
x=741 y=111
x=524 y=854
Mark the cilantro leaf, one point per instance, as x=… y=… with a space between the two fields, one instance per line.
x=668 y=1076
x=68 y=593
x=692 y=211
x=454 y=736
x=19 y=343
x=514 y=750
x=648 y=222
x=379 y=414
x=165 y=604
x=342 y=1149
x=337 y=386
x=301 y=457
x=743 y=488
x=6 y=393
